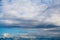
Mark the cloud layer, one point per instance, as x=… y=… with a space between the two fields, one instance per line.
x=30 y=13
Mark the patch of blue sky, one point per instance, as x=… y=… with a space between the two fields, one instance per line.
x=10 y=30
x=17 y=30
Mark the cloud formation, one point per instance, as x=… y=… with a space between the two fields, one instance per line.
x=30 y=13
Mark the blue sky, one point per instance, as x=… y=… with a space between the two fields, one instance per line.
x=17 y=14
x=17 y=30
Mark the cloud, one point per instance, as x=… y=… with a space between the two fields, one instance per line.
x=54 y=17
x=29 y=14
x=32 y=14
x=6 y=35
x=1 y=15
x=9 y=22
x=26 y=35
x=25 y=9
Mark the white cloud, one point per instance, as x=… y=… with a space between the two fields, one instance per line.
x=25 y=10
x=47 y=29
x=27 y=35
x=6 y=35
x=28 y=10
x=9 y=22
x=54 y=16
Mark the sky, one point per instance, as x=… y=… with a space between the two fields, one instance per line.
x=17 y=14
